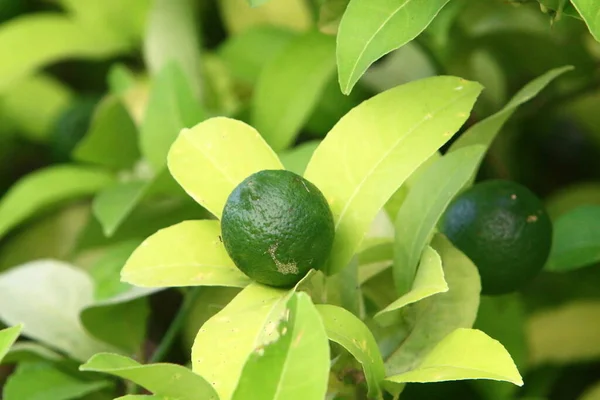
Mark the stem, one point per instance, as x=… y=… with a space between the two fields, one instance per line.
x=169 y=337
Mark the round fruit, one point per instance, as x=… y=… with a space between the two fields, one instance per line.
x=277 y=226
x=503 y=228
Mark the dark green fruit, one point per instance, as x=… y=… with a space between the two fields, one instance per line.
x=503 y=228
x=276 y=226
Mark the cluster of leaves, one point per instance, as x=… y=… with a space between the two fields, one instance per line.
x=91 y=241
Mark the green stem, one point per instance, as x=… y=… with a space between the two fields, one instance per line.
x=167 y=341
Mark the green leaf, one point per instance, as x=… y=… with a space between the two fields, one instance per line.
x=486 y=358
x=295 y=365
x=346 y=329
x=170 y=22
x=168 y=380
x=238 y=16
x=484 y=132
x=42 y=380
x=23 y=351
x=359 y=172
x=374 y=259
x=424 y=205
x=112 y=205
x=591 y=393
x=111 y=140
x=330 y=15
x=343 y=290
x=50 y=37
x=213 y=157
x=45 y=188
x=7 y=337
x=141 y=397
x=187 y=254
x=431 y=319
x=289 y=88
x=590 y=12
x=171 y=107
x=576 y=241
x=570 y=197
x=34 y=103
x=566 y=334
x=297 y=158
x=60 y=292
x=429 y=280
x=245 y=55
x=225 y=341
x=372 y=28
x=256 y=3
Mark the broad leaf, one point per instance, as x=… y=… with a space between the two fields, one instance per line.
x=45 y=188
x=187 y=254
x=60 y=292
x=141 y=397
x=343 y=290
x=591 y=393
x=42 y=380
x=464 y=354
x=565 y=335
x=50 y=37
x=330 y=15
x=590 y=12
x=171 y=107
x=485 y=131
x=372 y=28
x=420 y=212
x=294 y=366
x=33 y=104
x=429 y=280
x=296 y=159
x=345 y=328
x=7 y=337
x=289 y=88
x=213 y=157
x=225 y=341
x=28 y=351
x=238 y=16
x=245 y=55
x=431 y=319
x=168 y=380
x=112 y=139
x=374 y=259
x=112 y=205
x=256 y=3
x=359 y=172
x=576 y=241
x=171 y=36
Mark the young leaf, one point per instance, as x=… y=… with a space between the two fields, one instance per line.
x=484 y=132
x=7 y=337
x=34 y=103
x=168 y=380
x=289 y=88
x=590 y=12
x=170 y=22
x=464 y=354
x=244 y=326
x=294 y=366
x=374 y=259
x=42 y=380
x=48 y=187
x=172 y=106
x=431 y=319
x=424 y=205
x=239 y=16
x=111 y=140
x=372 y=28
x=245 y=55
x=60 y=292
x=358 y=172
x=559 y=335
x=346 y=329
x=297 y=158
x=112 y=205
x=429 y=280
x=213 y=157
x=26 y=351
x=190 y=253
x=576 y=241
x=49 y=37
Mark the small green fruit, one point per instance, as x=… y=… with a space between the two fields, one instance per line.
x=276 y=226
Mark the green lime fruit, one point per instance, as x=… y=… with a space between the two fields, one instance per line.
x=276 y=226
x=504 y=229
